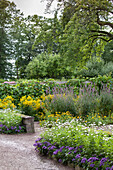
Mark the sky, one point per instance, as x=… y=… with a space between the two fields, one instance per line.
x=31 y=7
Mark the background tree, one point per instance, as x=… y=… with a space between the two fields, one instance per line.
x=5 y=66
x=47 y=65
x=89 y=24
x=48 y=34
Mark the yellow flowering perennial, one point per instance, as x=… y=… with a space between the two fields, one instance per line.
x=6 y=103
x=29 y=101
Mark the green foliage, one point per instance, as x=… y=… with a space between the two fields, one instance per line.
x=48 y=34
x=107 y=69
x=10 y=122
x=62 y=103
x=10 y=118
x=108 y=53
x=47 y=65
x=21 y=89
x=96 y=66
x=105 y=103
x=86 y=103
x=93 y=68
x=73 y=142
x=1 y=80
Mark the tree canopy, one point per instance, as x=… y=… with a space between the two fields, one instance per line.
x=87 y=23
x=83 y=30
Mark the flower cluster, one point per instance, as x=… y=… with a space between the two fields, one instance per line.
x=51 y=119
x=67 y=154
x=10 y=121
x=12 y=129
x=6 y=103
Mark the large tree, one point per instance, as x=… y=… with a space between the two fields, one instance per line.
x=87 y=26
x=8 y=15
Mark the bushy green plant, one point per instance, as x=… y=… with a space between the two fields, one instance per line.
x=10 y=121
x=86 y=103
x=10 y=118
x=47 y=65
x=2 y=80
x=107 y=69
x=93 y=68
x=32 y=88
x=105 y=103
x=72 y=142
x=97 y=119
x=62 y=103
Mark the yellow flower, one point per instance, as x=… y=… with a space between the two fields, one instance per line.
x=92 y=117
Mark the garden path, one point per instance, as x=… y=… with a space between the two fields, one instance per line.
x=17 y=153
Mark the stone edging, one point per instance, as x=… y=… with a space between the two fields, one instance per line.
x=28 y=123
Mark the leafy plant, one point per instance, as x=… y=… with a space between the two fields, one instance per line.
x=6 y=103
x=62 y=103
x=10 y=122
x=77 y=144
x=105 y=103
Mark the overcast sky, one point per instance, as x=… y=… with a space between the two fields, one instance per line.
x=31 y=7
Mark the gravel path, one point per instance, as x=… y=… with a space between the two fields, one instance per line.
x=17 y=153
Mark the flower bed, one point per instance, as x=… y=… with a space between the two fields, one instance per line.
x=10 y=122
x=72 y=143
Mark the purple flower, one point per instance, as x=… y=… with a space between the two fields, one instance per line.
x=81 y=146
x=77 y=156
x=52 y=147
x=92 y=165
x=55 y=152
x=66 y=147
x=108 y=168
x=12 y=128
x=102 y=161
x=73 y=159
x=83 y=160
x=75 y=151
x=71 y=148
x=61 y=148
x=35 y=144
x=93 y=159
x=60 y=160
x=44 y=147
x=76 y=147
x=69 y=153
x=38 y=139
x=39 y=144
x=111 y=168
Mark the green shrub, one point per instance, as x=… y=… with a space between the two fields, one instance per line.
x=47 y=65
x=2 y=80
x=71 y=142
x=86 y=103
x=62 y=103
x=10 y=122
x=105 y=103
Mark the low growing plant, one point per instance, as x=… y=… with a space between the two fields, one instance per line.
x=78 y=145
x=62 y=103
x=10 y=122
